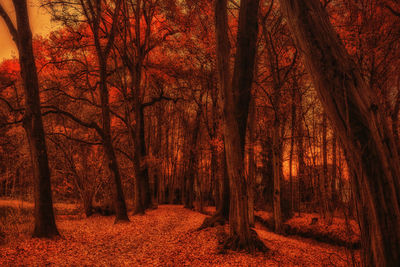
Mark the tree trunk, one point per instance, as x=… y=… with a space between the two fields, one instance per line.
x=223 y=207
x=291 y=151
x=300 y=152
x=251 y=162
x=362 y=129
x=334 y=197
x=145 y=184
x=119 y=200
x=395 y=118
x=141 y=185
x=267 y=180
x=222 y=213
x=236 y=103
x=214 y=177
x=192 y=168
x=45 y=225
x=276 y=163
x=324 y=183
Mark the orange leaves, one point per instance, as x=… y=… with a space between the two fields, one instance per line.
x=163 y=237
x=10 y=67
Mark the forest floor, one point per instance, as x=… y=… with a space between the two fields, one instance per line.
x=166 y=236
x=340 y=231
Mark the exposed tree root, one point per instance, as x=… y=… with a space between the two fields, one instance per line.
x=251 y=245
x=213 y=221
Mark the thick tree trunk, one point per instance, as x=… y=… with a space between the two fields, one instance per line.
x=395 y=119
x=216 y=183
x=267 y=180
x=223 y=207
x=236 y=103
x=334 y=197
x=222 y=213
x=139 y=166
x=192 y=168
x=45 y=225
x=142 y=185
x=251 y=161
x=145 y=185
x=138 y=183
x=119 y=200
x=103 y=52
x=359 y=123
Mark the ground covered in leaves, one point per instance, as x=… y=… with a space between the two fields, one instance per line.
x=339 y=232
x=166 y=236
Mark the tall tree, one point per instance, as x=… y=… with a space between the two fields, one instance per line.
x=323 y=182
x=236 y=96
x=359 y=122
x=94 y=16
x=45 y=225
x=277 y=48
x=251 y=164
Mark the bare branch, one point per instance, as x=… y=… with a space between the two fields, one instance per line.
x=10 y=24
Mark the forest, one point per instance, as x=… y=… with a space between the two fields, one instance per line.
x=201 y=133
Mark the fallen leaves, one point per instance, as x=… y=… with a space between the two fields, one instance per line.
x=339 y=232
x=166 y=236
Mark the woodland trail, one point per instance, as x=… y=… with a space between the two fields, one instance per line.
x=166 y=236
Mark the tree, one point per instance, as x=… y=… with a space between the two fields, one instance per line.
x=192 y=165
x=100 y=19
x=45 y=225
x=280 y=61
x=236 y=104
x=359 y=122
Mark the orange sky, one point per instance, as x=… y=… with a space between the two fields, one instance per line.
x=40 y=23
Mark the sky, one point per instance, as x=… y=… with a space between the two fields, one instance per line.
x=39 y=20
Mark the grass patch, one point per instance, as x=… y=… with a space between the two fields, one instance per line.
x=15 y=223
x=17 y=218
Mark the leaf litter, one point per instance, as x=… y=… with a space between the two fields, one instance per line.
x=166 y=236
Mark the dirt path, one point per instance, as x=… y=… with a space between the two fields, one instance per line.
x=162 y=237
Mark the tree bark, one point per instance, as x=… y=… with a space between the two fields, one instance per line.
x=145 y=185
x=192 y=166
x=276 y=163
x=291 y=151
x=119 y=199
x=142 y=186
x=102 y=55
x=334 y=197
x=300 y=151
x=360 y=125
x=222 y=213
x=236 y=103
x=45 y=225
x=251 y=175
x=267 y=180
x=324 y=183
